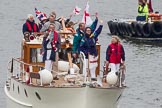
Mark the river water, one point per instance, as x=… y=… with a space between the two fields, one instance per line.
x=143 y=61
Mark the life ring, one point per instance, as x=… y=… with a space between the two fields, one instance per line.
x=133 y=25
x=129 y=29
x=123 y=28
x=157 y=28
x=120 y=29
x=116 y=28
x=139 y=29
x=146 y=30
x=111 y=27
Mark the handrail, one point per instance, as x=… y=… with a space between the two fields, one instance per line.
x=21 y=70
x=16 y=59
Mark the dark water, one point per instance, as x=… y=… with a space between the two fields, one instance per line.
x=144 y=61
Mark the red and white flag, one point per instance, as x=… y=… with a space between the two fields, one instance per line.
x=86 y=16
x=76 y=10
x=150 y=6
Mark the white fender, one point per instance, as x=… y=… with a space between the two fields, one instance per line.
x=46 y=76
x=112 y=78
x=63 y=66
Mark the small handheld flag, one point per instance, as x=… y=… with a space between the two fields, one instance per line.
x=40 y=15
x=86 y=16
x=76 y=10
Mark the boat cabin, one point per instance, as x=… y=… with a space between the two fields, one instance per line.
x=32 y=53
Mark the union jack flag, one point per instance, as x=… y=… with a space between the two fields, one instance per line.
x=40 y=15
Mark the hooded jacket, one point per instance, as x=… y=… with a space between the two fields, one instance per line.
x=88 y=43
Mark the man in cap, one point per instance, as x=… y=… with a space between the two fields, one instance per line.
x=51 y=45
x=52 y=18
x=45 y=30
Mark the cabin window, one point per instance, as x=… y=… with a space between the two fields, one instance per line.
x=25 y=93
x=36 y=55
x=18 y=89
x=38 y=96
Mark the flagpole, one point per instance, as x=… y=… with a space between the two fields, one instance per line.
x=86 y=16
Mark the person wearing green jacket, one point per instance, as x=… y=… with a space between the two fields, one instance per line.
x=79 y=35
x=143 y=11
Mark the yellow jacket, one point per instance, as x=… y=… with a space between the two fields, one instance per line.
x=143 y=10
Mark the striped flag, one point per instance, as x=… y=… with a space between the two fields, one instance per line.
x=40 y=15
x=76 y=10
x=86 y=16
x=150 y=6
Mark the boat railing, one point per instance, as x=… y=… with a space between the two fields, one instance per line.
x=23 y=71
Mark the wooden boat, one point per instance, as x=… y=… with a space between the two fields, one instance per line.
x=69 y=91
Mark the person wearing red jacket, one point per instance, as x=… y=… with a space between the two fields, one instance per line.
x=115 y=55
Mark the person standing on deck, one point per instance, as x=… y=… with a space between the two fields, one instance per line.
x=80 y=34
x=52 y=18
x=30 y=26
x=51 y=46
x=143 y=11
x=88 y=47
x=115 y=55
x=45 y=28
x=43 y=20
x=70 y=27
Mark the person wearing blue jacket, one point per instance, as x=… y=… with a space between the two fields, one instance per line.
x=80 y=34
x=88 y=47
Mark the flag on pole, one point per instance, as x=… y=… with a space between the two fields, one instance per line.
x=86 y=16
x=76 y=10
x=40 y=15
x=150 y=6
